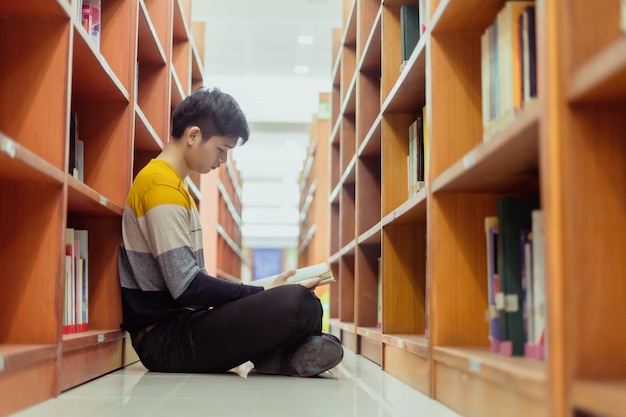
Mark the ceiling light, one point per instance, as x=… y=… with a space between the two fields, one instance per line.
x=305 y=39
x=301 y=69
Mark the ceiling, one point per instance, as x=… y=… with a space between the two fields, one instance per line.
x=252 y=52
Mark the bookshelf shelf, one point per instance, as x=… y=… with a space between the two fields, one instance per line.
x=411 y=211
x=18 y=356
x=149 y=49
x=408 y=94
x=370 y=146
x=21 y=165
x=603 y=77
x=372 y=333
x=146 y=138
x=90 y=338
x=507 y=161
x=605 y=398
x=412 y=343
x=371 y=236
x=370 y=58
x=463 y=16
x=92 y=77
x=84 y=200
x=118 y=90
x=467 y=378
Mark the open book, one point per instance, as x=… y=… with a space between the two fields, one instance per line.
x=302 y=274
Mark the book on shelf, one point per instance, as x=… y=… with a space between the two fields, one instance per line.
x=379 y=295
x=537 y=329
x=508 y=65
x=525 y=236
x=91 y=20
x=492 y=315
x=423 y=16
x=409 y=30
x=82 y=279
x=75 y=310
x=302 y=274
x=514 y=214
x=415 y=158
x=76 y=163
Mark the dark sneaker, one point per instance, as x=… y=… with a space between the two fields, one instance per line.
x=315 y=356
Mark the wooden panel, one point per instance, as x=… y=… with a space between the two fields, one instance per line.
x=32 y=262
x=603 y=77
x=92 y=76
x=371 y=349
x=106 y=129
x=591 y=141
x=118 y=34
x=456 y=126
x=605 y=398
x=346 y=289
x=30 y=385
x=153 y=90
x=404 y=279
x=473 y=396
x=525 y=376
x=81 y=365
x=368 y=193
x=19 y=164
x=349 y=339
x=587 y=30
x=464 y=15
x=395 y=148
x=411 y=369
x=412 y=343
x=506 y=162
x=346 y=202
x=368 y=103
x=391 y=48
x=366 y=285
x=370 y=60
x=408 y=94
x=458 y=276
x=181 y=59
x=366 y=12
x=34 y=87
x=149 y=49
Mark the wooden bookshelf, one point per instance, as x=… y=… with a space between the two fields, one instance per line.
x=314 y=189
x=221 y=219
x=121 y=93
x=564 y=147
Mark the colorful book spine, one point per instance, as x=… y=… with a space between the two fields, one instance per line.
x=514 y=214
x=492 y=315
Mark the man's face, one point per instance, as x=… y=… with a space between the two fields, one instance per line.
x=205 y=156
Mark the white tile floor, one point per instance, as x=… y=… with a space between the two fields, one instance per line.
x=357 y=388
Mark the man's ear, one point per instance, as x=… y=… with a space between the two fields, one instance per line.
x=193 y=134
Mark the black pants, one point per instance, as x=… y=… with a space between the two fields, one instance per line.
x=216 y=340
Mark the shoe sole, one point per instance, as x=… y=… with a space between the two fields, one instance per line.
x=317 y=355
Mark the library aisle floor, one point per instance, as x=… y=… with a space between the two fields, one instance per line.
x=357 y=387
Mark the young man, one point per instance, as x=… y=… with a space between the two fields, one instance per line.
x=180 y=318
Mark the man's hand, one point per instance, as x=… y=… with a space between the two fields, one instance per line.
x=282 y=278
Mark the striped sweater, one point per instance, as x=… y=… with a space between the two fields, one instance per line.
x=160 y=260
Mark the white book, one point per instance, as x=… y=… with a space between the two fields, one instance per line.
x=302 y=274
x=539 y=278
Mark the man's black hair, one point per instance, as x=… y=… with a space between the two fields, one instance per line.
x=214 y=112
